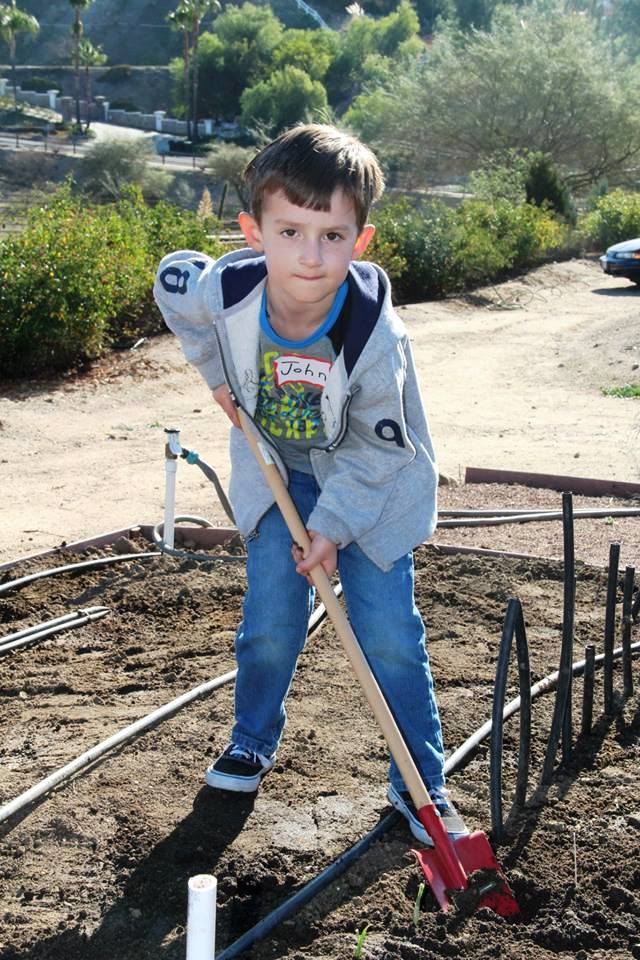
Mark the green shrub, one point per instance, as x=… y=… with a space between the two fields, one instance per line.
x=111 y=167
x=433 y=250
x=545 y=187
x=491 y=239
x=117 y=74
x=79 y=277
x=615 y=217
x=421 y=241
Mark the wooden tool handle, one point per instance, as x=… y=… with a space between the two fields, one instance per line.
x=362 y=670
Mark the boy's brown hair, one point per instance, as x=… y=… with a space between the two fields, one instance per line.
x=308 y=163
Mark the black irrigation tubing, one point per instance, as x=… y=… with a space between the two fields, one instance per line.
x=530 y=511
x=334 y=870
x=482 y=520
x=83 y=565
x=610 y=625
x=561 y=722
x=629 y=575
x=568 y=619
x=513 y=624
x=587 y=690
x=51 y=627
x=162 y=713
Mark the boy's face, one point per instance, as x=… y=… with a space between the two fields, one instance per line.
x=307 y=251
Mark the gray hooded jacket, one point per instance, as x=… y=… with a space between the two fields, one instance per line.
x=376 y=469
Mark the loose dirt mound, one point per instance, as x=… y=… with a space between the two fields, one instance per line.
x=98 y=869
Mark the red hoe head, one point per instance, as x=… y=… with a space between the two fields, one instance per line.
x=463 y=872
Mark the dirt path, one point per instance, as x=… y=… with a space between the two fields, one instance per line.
x=511 y=376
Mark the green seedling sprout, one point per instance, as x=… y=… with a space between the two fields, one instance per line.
x=362 y=936
x=416 y=906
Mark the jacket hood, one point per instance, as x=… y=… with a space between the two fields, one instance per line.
x=242 y=271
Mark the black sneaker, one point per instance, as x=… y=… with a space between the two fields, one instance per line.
x=451 y=819
x=238 y=769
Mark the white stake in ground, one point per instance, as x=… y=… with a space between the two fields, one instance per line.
x=201 y=918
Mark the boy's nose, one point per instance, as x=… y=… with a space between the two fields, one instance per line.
x=311 y=255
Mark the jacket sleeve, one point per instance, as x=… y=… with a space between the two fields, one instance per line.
x=181 y=291
x=376 y=446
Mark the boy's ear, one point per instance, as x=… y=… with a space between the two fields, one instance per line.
x=364 y=239
x=251 y=231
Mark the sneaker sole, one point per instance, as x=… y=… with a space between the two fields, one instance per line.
x=226 y=781
x=417 y=829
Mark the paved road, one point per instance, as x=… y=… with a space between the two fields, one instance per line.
x=104 y=132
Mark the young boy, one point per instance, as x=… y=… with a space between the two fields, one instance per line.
x=307 y=342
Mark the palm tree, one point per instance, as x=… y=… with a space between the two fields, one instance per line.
x=12 y=22
x=188 y=17
x=77 y=30
x=89 y=56
x=180 y=20
x=198 y=10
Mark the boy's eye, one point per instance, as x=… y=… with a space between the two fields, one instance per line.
x=333 y=236
x=288 y=232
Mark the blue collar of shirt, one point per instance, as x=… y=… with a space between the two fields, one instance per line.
x=323 y=329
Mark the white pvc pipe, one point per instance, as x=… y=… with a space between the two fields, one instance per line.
x=201 y=918
x=170 y=469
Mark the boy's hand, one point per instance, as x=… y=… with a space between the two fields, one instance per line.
x=322 y=552
x=222 y=397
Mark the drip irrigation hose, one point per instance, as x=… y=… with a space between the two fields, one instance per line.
x=94 y=753
x=82 y=565
x=610 y=625
x=513 y=625
x=158 y=533
x=540 y=512
x=50 y=627
x=482 y=520
x=561 y=707
x=75 y=766
x=334 y=870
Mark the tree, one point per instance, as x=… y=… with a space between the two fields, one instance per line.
x=198 y=9
x=363 y=37
x=13 y=22
x=237 y=52
x=77 y=30
x=89 y=56
x=285 y=98
x=310 y=50
x=180 y=20
x=542 y=80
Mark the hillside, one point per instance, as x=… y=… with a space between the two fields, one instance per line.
x=130 y=31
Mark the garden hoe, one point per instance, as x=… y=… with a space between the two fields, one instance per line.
x=463 y=872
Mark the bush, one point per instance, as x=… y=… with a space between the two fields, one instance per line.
x=111 y=167
x=544 y=187
x=434 y=250
x=117 y=74
x=421 y=239
x=78 y=279
x=615 y=217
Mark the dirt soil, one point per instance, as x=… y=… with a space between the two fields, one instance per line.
x=98 y=868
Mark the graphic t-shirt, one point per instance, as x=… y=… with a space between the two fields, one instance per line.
x=293 y=374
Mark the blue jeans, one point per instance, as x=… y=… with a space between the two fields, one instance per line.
x=383 y=615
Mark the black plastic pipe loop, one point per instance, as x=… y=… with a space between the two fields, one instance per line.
x=610 y=626
x=513 y=624
x=562 y=722
x=627 y=672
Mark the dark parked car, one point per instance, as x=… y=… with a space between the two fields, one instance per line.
x=623 y=260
